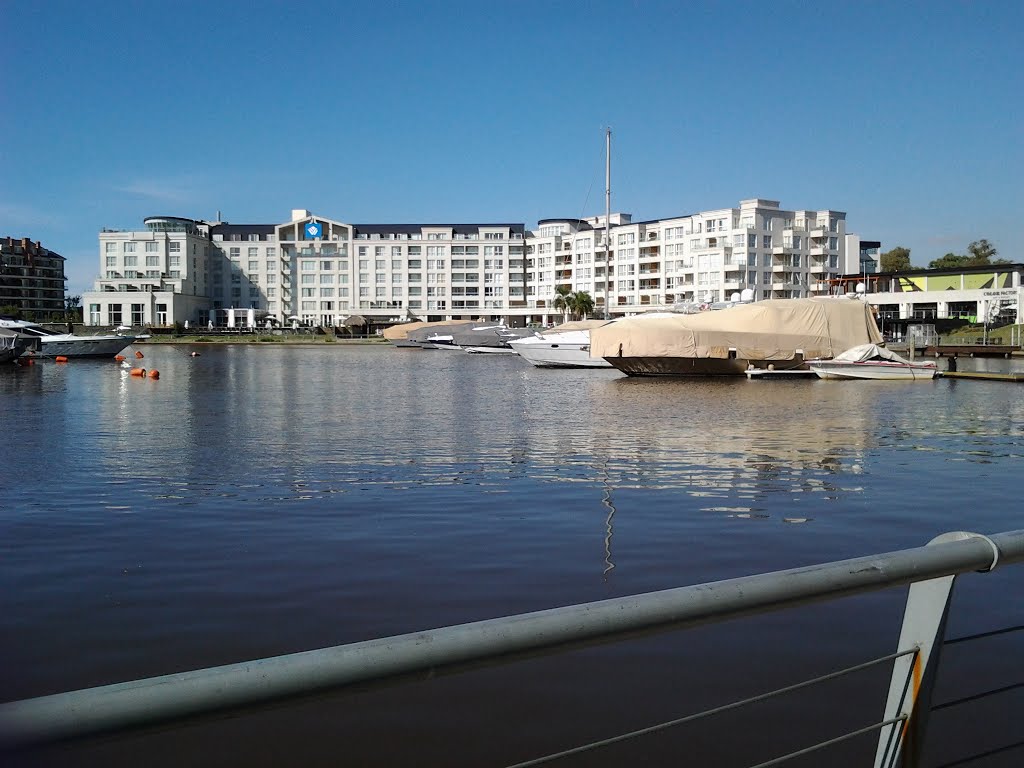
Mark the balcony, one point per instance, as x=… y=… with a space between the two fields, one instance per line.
x=818 y=250
x=738 y=266
x=818 y=268
x=733 y=285
x=778 y=268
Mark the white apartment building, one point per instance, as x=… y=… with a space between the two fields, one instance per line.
x=700 y=258
x=321 y=271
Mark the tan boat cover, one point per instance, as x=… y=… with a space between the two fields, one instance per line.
x=765 y=330
x=576 y=325
x=396 y=332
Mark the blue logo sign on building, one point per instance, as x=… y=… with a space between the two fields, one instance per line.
x=314 y=229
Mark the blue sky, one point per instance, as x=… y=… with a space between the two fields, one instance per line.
x=908 y=116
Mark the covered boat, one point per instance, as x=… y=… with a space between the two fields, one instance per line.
x=778 y=334
x=869 y=361
x=415 y=334
x=487 y=339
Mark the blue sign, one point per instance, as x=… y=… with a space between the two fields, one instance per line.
x=314 y=229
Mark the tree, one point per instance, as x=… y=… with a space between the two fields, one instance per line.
x=580 y=304
x=896 y=260
x=979 y=254
x=561 y=300
x=72 y=309
x=949 y=261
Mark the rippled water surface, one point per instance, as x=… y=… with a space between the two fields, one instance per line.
x=256 y=501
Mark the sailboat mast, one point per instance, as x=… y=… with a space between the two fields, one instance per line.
x=607 y=216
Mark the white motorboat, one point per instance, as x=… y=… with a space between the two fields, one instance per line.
x=567 y=346
x=869 y=361
x=440 y=341
x=488 y=339
x=55 y=344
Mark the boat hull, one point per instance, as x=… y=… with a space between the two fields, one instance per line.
x=874 y=370
x=700 y=366
x=67 y=345
x=559 y=356
x=484 y=350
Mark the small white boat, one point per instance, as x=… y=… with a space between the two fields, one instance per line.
x=869 y=361
x=54 y=344
x=566 y=346
x=440 y=341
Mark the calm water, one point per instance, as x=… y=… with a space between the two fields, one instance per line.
x=260 y=501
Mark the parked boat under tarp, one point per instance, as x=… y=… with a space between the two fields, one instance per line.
x=778 y=333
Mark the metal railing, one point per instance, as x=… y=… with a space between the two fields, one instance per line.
x=930 y=570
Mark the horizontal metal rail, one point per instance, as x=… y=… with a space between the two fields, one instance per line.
x=188 y=694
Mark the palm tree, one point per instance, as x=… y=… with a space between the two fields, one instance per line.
x=563 y=296
x=580 y=304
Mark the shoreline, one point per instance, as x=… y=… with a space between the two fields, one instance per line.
x=258 y=339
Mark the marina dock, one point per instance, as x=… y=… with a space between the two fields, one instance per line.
x=979 y=375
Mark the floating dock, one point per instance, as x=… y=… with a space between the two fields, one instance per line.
x=765 y=373
x=981 y=376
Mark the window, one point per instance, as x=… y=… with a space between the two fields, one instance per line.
x=174 y=247
x=326 y=279
x=152 y=247
x=254 y=266
x=129 y=247
x=307 y=266
x=111 y=248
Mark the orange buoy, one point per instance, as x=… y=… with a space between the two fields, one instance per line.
x=141 y=372
x=60 y=359
x=139 y=355
x=154 y=374
x=119 y=358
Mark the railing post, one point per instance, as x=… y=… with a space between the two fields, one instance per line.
x=913 y=676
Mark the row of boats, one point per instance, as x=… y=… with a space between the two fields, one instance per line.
x=831 y=337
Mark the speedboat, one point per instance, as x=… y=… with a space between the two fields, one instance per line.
x=566 y=346
x=55 y=344
x=869 y=361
